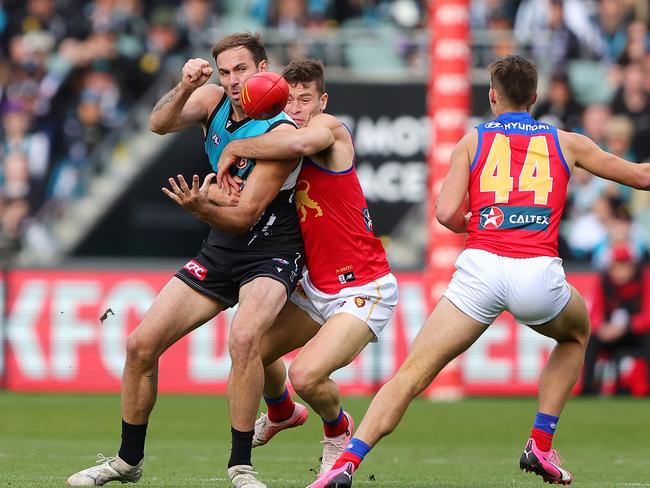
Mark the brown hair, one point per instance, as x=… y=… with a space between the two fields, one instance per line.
x=515 y=78
x=252 y=42
x=304 y=72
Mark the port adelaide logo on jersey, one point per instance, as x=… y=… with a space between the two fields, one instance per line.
x=216 y=139
x=525 y=218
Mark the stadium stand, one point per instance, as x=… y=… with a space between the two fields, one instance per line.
x=78 y=78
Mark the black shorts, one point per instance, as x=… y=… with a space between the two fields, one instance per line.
x=219 y=272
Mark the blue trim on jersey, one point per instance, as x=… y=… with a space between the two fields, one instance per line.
x=325 y=170
x=354 y=146
x=521 y=123
x=559 y=151
x=479 y=128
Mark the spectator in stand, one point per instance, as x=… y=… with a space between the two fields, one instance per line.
x=164 y=41
x=14 y=179
x=500 y=29
x=564 y=44
x=594 y=122
x=560 y=107
x=633 y=101
x=558 y=30
x=98 y=109
x=588 y=227
x=289 y=16
x=60 y=21
x=618 y=137
x=621 y=228
x=637 y=44
x=620 y=314
x=612 y=25
x=482 y=10
x=195 y=17
x=619 y=132
x=19 y=136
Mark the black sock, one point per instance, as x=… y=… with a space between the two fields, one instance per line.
x=132 y=448
x=242 y=444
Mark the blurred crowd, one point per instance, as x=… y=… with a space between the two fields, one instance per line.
x=70 y=70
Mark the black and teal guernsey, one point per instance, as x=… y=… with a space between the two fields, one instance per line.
x=277 y=229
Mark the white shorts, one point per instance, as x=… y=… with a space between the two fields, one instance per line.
x=534 y=290
x=373 y=303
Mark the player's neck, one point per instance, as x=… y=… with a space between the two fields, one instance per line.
x=498 y=111
x=237 y=113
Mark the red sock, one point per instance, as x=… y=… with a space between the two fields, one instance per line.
x=337 y=426
x=544 y=440
x=281 y=408
x=347 y=457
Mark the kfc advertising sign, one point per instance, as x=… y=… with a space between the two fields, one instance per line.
x=54 y=339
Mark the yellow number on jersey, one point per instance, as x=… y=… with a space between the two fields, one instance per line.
x=496 y=172
x=535 y=174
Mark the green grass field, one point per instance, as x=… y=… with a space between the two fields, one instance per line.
x=474 y=443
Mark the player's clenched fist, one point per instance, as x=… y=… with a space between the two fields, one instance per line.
x=195 y=73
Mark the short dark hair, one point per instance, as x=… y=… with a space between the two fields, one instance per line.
x=252 y=42
x=305 y=72
x=515 y=78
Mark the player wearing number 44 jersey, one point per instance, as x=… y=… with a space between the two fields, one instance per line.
x=348 y=292
x=516 y=171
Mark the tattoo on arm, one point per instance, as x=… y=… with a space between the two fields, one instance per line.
x=169 y=97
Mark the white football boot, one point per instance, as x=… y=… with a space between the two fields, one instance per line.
x=107 y=469
x=243 y=476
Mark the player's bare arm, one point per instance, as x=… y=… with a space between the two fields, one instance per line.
x=190 y=102
x=281 y=143
x=585 y=153
x=262 y=186
x=449 y=205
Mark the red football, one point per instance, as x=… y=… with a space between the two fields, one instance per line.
x=264 y=95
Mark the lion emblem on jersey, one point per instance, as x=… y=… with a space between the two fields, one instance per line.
x=304 y=201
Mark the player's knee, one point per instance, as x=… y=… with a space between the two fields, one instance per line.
x=583 y=332
x=304 y=379
x=243 y=344
x=140 y=352
x=581 y=325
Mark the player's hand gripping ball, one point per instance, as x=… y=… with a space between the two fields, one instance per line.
x=264 y=95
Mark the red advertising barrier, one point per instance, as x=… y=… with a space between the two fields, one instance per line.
x=55 y=340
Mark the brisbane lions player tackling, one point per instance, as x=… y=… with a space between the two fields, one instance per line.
x=347 y=294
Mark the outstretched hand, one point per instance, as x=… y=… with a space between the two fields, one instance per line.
x=192 y=199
